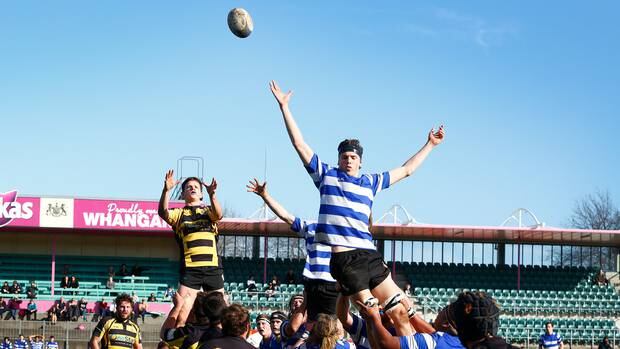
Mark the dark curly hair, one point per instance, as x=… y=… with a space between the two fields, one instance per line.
x=123 y=297
x=235 y=320
x=208 y=307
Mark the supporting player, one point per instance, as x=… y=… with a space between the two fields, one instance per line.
x=319 y=286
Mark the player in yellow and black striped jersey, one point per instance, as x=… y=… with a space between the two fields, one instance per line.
x=119 y=331
x=195 y=228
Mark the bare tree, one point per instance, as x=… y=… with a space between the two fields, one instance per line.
x=595 y=211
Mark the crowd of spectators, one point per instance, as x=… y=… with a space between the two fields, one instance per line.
x=69 y=310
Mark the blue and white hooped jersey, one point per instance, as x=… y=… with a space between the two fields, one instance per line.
x=52 y=345
x=550 y=341
x=318 y=255
x=358 y=332
x=346 y=204
x=36 y=345
x=289 y=342
x=20 y=344
x=437 y=340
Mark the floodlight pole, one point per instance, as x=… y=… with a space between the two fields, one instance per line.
x=393 y=211
x=517 y=216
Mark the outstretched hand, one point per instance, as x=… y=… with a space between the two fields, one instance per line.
x=436 y=137
x=212 y=187
x=170 y=182
x=367 y=312
x=257 y=188
x=281 y=97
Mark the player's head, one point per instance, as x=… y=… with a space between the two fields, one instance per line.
x=350 y=156
x=235 y=321
x=262 y=324
x=295 y=302
x=476 y=316
x=208 y=307
x=52 y=339
x=191 y=189
x=327 y=330
x=549 y=327
x=277 y=317
x=124 y=306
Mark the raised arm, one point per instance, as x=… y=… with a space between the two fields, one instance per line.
x=303 y=150
x=342 y=312
x=215 y=204
x=297 y=318
x=261 y=190
x=164 y=200
x=375 y=329
x=170 y=322
x=434 y=138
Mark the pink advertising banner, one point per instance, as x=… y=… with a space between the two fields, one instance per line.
x=118 y=215
x=19 y=211
x=96 y=214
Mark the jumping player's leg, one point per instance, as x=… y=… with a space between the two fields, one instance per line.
x=188 y=295
x=363 y=275
x=351 y=270
x=390 y=295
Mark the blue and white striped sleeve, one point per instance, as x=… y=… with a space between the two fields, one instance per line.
x=299 y=227
x=380 y=182
x=317 y=170
x=418 y=341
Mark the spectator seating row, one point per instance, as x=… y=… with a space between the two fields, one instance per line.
x=573 y=330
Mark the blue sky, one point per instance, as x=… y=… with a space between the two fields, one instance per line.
x=99 y=98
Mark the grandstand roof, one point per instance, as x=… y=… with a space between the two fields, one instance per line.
x=111 y=217
x=429 y=232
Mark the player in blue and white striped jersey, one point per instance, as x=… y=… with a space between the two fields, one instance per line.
x=52 y=344
x=344 y=215
x=473 y=317
x=319 y=286
x=36 y=342
x=550 y=339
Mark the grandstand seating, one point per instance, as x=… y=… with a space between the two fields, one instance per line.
x=566 y=295
x=574 y=330
x=545 y=291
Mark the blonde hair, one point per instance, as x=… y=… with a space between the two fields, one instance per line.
x=326 y=331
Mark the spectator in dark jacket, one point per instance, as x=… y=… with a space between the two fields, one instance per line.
x=31 y=291
x=16 y=288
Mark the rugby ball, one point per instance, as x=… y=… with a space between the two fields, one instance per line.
x=240 y=22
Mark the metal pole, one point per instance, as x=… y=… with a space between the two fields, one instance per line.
x=265 y=252
x=53 y=263
x=518 y=267
x=528 y=338
x=393 y=259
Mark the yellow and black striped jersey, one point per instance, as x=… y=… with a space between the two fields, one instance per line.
x=196 y=235
x=117 y=334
